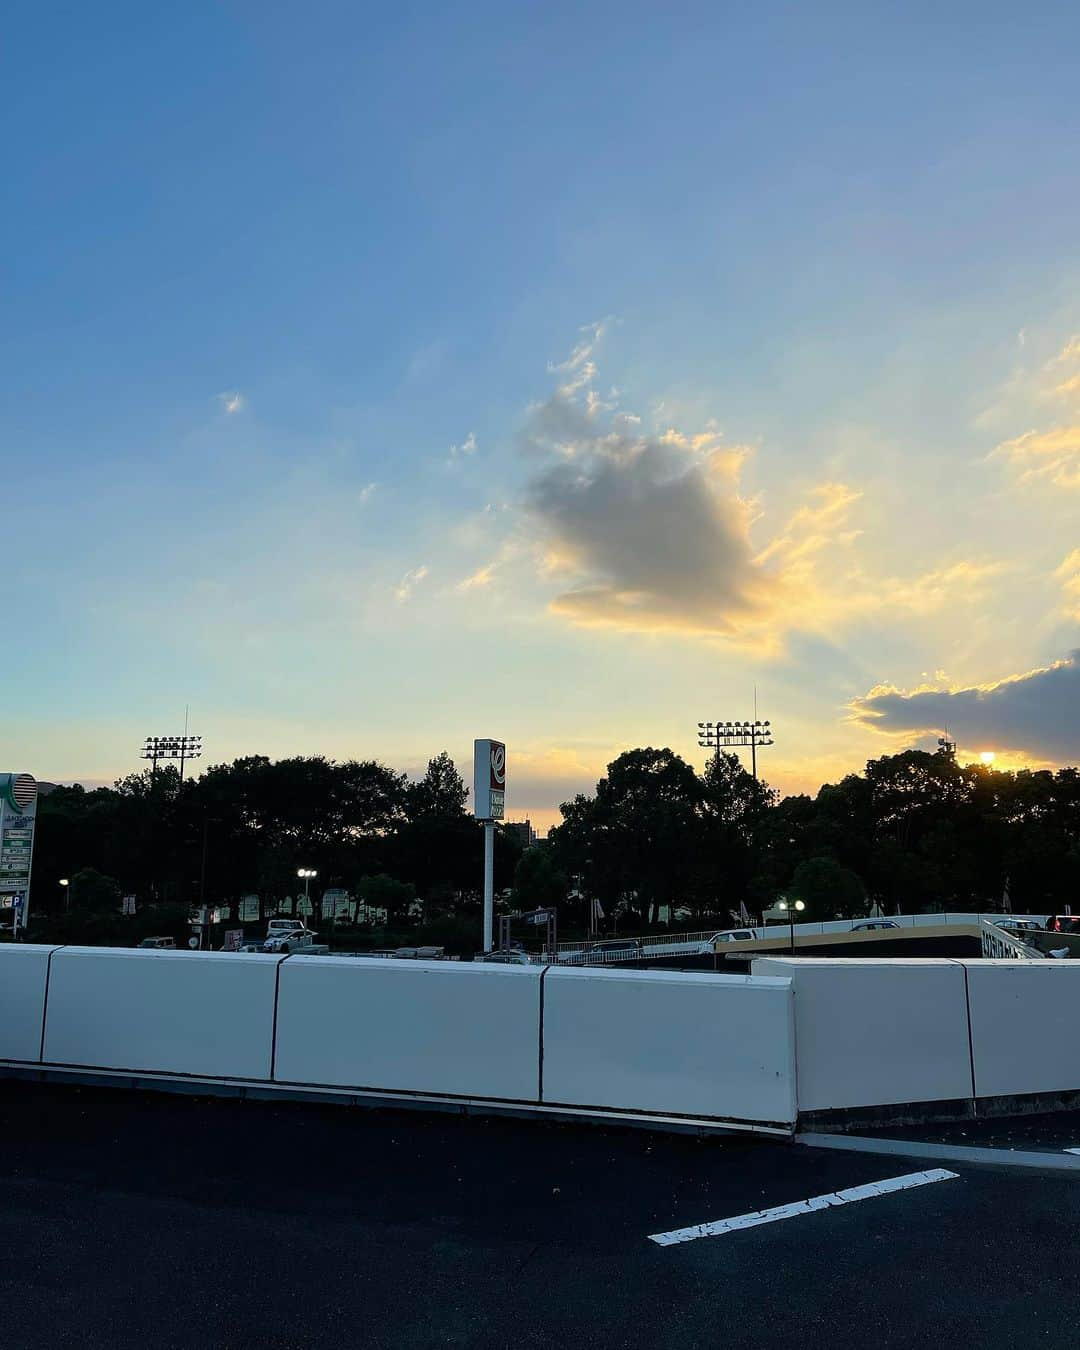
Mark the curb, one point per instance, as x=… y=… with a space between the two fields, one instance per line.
x=959 y=1153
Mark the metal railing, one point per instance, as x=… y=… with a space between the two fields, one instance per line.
x=998 y=945
x=650 y=940
x=996 y=942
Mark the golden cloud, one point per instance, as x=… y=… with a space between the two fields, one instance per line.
x=1048 y=455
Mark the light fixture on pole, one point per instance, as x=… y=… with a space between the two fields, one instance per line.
x=791 y=906
x=306 y=873
x=182 y=748
x=719 y=736
x=67 y=893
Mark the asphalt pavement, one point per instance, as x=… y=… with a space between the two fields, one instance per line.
x=135 y=1219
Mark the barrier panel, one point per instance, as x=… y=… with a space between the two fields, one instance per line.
x=1024 y=1017
x=470 y=1030
x=209 y=1014
x=876 y=1033
x=23 y=973
x=676 y=1043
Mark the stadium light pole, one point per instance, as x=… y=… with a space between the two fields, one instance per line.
x=718 y=736
x=182 y=748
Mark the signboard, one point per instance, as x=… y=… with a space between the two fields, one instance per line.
x=233 y=941
x=489 y=779
x=18 y=816
x=335 y=904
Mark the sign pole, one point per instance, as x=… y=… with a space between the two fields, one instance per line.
x=489 y=884
x=489 y=805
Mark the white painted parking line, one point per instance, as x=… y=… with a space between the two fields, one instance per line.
x=811 y=1206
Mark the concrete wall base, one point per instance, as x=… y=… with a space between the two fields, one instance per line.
x=849 y=1120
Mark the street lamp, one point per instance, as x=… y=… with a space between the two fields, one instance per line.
x=307 y=873
x=733 y=735
x=791 y=906
x=67 y=893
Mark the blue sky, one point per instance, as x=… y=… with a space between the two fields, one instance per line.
x=325 y=330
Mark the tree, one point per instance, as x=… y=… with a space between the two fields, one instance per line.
x=828 y=890
x=383 y=892
x=93 y=893
x=538 y=883
x=645 y=828
x=734 y=862
x=441 y=793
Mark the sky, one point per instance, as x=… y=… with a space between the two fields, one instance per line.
x=377 y=378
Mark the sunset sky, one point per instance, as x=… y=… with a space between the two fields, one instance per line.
x=375 y=378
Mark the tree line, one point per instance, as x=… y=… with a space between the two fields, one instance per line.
x=656 y=842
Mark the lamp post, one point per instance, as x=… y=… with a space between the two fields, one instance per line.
x=791 y=906
x=67 y=894
x=306 y=873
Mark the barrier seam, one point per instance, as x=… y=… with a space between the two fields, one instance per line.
x=970 y=1039
x=540 y=1044
x=45 y=1001
x=273 y=1033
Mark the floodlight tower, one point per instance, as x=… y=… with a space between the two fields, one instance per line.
x=719 y=736
x=182 y=748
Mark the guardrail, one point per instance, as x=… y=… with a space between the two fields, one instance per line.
x=678 y=940
x=998 y=945
x=675 y=944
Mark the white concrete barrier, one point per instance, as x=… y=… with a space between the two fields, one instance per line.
x=1025 y=1026
x=876 y=1033
x=672 y=1042
x=208 y=1014
x=23 y=972
x=469 y=1029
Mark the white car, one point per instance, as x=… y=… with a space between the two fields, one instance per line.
x=1017 y=925
x=729 y=935
x=286 y=935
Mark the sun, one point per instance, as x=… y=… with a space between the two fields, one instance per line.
x=987 y=757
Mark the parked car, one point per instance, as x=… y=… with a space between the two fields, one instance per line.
x=728 y=935
x=159 y=943
x=872 y=925
x=615 y=945
x=291 y=935
x=1063 y=923
x=1017 y=925
x=511 y=958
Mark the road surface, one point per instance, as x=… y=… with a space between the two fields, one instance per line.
x=129 y=1219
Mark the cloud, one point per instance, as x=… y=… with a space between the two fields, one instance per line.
x=483 y=576
x=1049 y=454
x=1037 y=712
x=1069 y=576
x=651 y=531
x=466 y=448
x=409 y=582
x=232 y=403
x=1052 y=455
